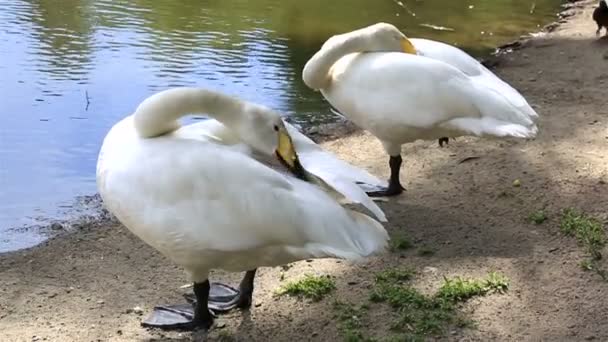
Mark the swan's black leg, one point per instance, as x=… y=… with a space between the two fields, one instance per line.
x=224 y=298
x=394 y=185
x=443 y=140
x=184 y=317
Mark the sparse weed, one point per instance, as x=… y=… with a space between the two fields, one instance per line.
x=312 y=287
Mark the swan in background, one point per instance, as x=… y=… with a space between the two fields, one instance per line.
x=210 y=205
x=402 y=92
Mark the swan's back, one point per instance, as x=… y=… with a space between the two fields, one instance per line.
x=403 y=97
x=471 y=67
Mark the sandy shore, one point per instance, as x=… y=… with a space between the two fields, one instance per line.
x=82 y=286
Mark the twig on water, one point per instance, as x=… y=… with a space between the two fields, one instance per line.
x=533 y=7
x=86 y=95
x=404 y=6
x=437 y=28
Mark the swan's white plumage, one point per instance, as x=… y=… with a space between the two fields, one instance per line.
x=208 y=205
x=471 y=67
x=401 y=97
x=338 y=174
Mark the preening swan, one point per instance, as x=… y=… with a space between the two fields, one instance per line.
x=208 y=204
x=402 y=90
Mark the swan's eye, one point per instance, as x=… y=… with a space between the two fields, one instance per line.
x=276 y=128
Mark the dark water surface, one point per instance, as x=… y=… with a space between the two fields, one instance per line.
x=71 y=68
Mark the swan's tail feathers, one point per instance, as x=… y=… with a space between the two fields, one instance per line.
x=497 y=109
x=367 y=236
x=493 y=127
x=507 y=92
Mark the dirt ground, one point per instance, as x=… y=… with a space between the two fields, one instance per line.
x=82 y=286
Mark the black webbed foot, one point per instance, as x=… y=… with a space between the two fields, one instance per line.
x=386 y=191
x=394 y=185
x=184 y=316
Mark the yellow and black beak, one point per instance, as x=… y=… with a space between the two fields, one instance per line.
x=286 y=153
x=285 y=149
x=407 y=46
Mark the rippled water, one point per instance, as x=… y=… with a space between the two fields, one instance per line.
x=71 y=68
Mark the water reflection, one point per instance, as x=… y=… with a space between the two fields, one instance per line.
x=72 y=68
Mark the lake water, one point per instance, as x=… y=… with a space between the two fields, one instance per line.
x=71 y=68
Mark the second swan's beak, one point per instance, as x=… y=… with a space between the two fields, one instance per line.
x=407 y=46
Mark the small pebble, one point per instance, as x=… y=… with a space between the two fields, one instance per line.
x=56 y=226
x=136 y=310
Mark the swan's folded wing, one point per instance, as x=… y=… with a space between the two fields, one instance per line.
x=340 y=175
x=208 y=198
x=471 y=67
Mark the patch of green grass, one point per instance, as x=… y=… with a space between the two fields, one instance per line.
x=538 y=217
x=417 y=316
x=459 y=289
x=426 y=251
x=310 y=286
x=593 y=265
x=394 y=275
x=225 y=336
x=400 y=243
x=350 y=321
x=588 y=231
x=587 y=265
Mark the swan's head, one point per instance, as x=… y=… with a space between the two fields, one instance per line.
x=382 y=37
x=264 y=130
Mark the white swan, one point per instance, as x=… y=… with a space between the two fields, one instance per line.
x=207 y=205
x=402 y=97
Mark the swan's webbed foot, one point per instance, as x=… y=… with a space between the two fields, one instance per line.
x=177 y=317
x=386 y=191
x=184 y=316
x=444 y=140
x=394 y=185
x=223 y=298
x=370 y=187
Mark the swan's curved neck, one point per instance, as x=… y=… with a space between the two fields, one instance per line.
x=316 y=71
x=158 y=114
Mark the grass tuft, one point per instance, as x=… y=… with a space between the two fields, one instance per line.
x=350 y=320
x=538 y=217
x=426 y=251
x=400 y=243
x=418 y=316
x=588 y=231
x=459 y=289
x=310 y=286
